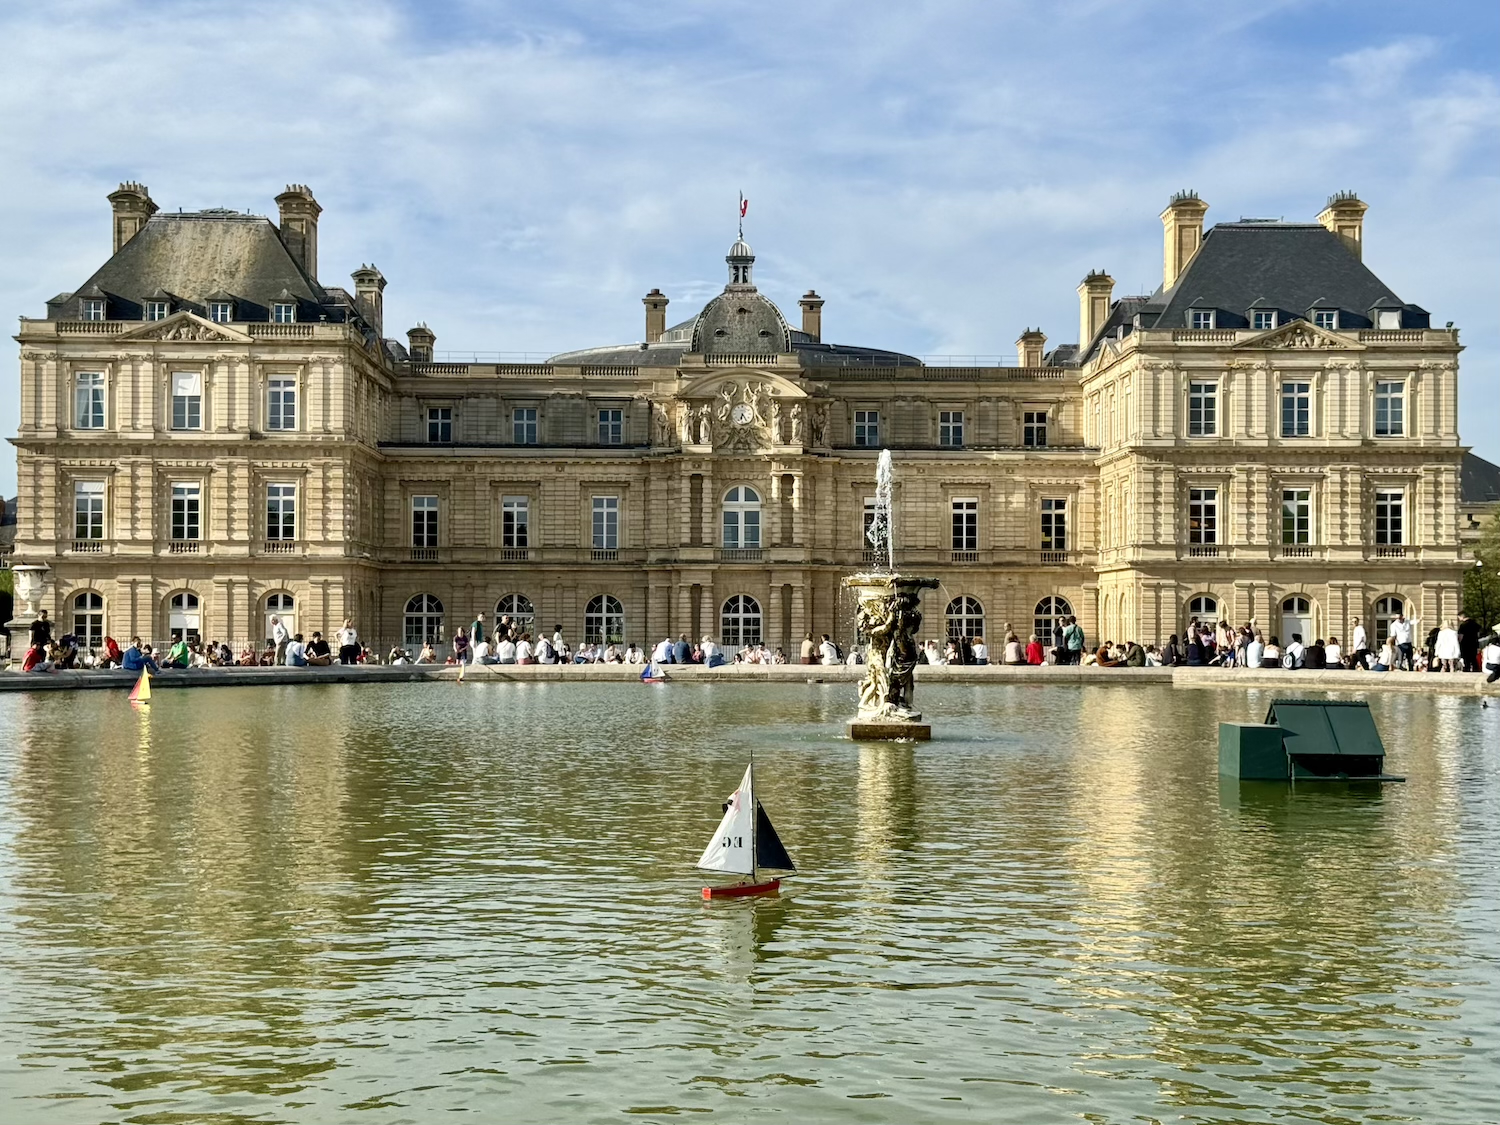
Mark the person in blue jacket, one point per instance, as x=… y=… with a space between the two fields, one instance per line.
x=137 y=658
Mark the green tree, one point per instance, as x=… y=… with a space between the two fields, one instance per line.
x=1482 y=582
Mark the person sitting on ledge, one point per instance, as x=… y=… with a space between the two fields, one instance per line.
x=178 y=656
x=1153 y=657
x=318 y=653
x=1333 y=656
x=397 y=656
x=428 y=656
x=1388 y=656
x=36 y=659
x=1104 y=658
x=1316 y=655
x=981 y=651
x=1271 y=657
x=133 y=659
x=296 y=652
x=633 y=654
x=248 y=659
x=1135 y=655
x=1034 y=654
x=110 y=655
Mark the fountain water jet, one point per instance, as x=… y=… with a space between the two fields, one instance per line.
x=888 y=614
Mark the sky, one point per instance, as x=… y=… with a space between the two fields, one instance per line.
x=943 y=173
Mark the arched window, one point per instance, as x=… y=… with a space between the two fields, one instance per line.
x=282 y=605
x=1050 y=611
x=742 y=519
x=88 y=620
x=604 y=620
x=519 y=609
x=424 y=621
x=1205 y=607
x=1387 y=609
x=184 y=622
x=1296 y=618
x=739 y=621
x=965 y=618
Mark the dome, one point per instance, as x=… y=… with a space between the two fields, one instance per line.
x=740 y=249
x=742 y=322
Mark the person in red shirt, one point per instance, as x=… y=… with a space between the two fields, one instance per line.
x=1034 y=652
x=36 y=660
x=111 y=656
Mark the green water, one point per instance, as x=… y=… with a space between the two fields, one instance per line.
x=399 y=903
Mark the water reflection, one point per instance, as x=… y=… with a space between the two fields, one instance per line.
x=271 y=904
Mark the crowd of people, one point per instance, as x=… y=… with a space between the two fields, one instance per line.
x=1454 y=646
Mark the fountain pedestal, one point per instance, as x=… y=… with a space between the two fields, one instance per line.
x=889 y=616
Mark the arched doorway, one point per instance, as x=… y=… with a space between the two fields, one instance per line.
x=519 y=609
x=1385 y=610
x=280 y=604
x=88 y=620
x=1050 y=612
x=603 y=620
x=423 y=621
x=1296 y=619
x=740 y=622
x=184 y=621
x=965 y=618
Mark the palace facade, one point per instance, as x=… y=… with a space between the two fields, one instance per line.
x=209 y=435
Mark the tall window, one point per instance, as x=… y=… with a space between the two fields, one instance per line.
x=1390 y=517
x=606 y=523
x=1034 y=429
x=603 y=620
x=1296 y=516
x=88 y=400
x=1326 y=318
x=184 y=620
x=951 y=428
x=157 y=310
x=519 y=609
x=1203 y=515
x=1296 y=409
x=1203 y=409
x=283 y=312
x=742 y=518
x=965 y=515
x=221 y=312
x=423 y=621
x=740 y=622
x=1054 y=525
x=440 y=424
x=867 y=427
x=523 y=425
x=965 y=618
x=281 y=405
x=281 y=511
x=187 y=400
x=1200 y=318
x=88 y=509
x=611 y=427
x=1050 y=612
x=91 y=309
x=186 y=510
x=1390 y=409
x=1263 y=320
x=88 y=620
x=1205 y=607
x=515 y=522
x=424 y=521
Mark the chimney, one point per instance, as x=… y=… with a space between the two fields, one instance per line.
x=1345 y=216
x=656 y=315
x=812 y=315
x=1093 y=305
x=299 y=226
x=419 y=341
x=1031 y=346
x=1182 y=231
x=369 y=289
x=132 y=207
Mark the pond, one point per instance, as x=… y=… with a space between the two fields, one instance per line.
x=388 y=902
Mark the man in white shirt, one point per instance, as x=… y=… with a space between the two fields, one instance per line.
x=1401 y=634
x=545 y=653
x=1294 y=657
x=505 y=652
x=828 y=652
x=1255 y=652
x=280 y=634
x=348 y=642
x=481 y=653
x=712 y=656
x=557 y=638
x=633 y=653
x=662 y=654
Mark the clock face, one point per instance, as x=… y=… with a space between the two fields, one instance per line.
x=742 y=414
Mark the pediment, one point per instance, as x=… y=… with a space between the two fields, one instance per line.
x=1302 y=335
x=712 y=385
x=187 y=327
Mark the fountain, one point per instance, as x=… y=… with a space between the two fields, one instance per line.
x=888 y=614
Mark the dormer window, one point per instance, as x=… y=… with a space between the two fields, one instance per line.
x=1388 y=319
x=220 y=312
x=1263 y=320
x=1326 y=318
x=91 y=308
x=157 y=310
x=1201 y=319
x=283 y=312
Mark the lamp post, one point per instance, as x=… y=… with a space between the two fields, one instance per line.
x=1484 y=605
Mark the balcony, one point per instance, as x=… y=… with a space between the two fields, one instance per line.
x=88 y=546
x=1054 y=558
x=279 y=547
x=965 y=557
x=1203 y=551
x=1290 y=551
x=604 y=554
x=738 y=554
x=872 y=557
x=183 y=546
x=515 y=554
x=1390 y=551
x=424 y=554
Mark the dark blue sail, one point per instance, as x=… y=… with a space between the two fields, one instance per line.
x=769 y=851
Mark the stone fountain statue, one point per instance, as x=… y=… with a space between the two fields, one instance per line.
x=889 y=615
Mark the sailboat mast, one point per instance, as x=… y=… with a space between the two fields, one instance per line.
x=754 y=876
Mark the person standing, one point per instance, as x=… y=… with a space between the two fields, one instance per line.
x=280 y=635
x=1073 y=640
x=476 y=630
x=1468 y=642
x=1447 y=650
x=1401 y=635
x=41 y=630
x=557 y=640
x=1359 y=646
x=348 y=640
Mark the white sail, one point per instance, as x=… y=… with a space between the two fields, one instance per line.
x=733 y=847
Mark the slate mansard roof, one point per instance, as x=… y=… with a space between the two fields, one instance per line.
x=192 y=258
x=1479 y=481
x=1291 y=268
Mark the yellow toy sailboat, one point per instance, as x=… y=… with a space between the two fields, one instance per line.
x=141 y=693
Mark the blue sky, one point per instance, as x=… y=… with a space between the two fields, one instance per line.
x=942 y=173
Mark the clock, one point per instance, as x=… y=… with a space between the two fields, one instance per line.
x=742 y=414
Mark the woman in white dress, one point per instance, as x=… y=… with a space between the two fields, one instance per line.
x=1447 y=649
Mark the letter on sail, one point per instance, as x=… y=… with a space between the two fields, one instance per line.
x=732 y=848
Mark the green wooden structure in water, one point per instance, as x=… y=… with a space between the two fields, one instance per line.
x=1305 y=740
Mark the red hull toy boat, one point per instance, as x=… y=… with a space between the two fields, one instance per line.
x=745 y=844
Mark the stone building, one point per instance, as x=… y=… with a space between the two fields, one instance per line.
x=209 y=435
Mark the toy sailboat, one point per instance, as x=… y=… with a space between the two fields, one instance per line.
x=653 y=674
x=141 y=693
x=745 y=844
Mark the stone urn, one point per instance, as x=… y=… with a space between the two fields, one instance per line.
x=888 y=612
x=31 y=586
